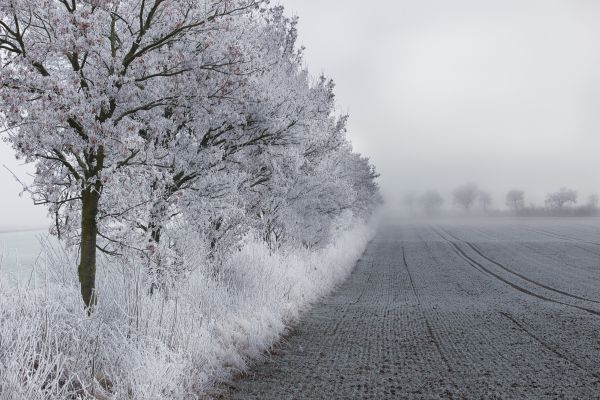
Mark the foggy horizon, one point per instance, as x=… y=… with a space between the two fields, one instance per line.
x=501 y=94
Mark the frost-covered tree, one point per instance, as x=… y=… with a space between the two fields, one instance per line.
x=261 y=154
x=91 y=90
x=515 y=200
x=559 y=199
x=301 y=187
x=230 y=116
x=465 y=195
x=191 y=118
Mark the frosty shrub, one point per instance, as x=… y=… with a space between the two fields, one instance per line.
x=175 y=344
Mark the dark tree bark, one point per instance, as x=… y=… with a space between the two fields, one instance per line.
x=90 y=198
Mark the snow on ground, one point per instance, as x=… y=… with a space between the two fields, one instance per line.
x=19 y=251
x=482 y=309
x=176 y=345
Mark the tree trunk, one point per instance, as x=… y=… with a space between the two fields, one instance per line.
x=155 y=232
x=89 y=229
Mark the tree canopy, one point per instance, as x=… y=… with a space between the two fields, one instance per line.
x=146 y=115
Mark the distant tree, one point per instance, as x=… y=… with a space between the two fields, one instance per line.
x=465 y=195
x=593 y=201
x=431 y=201
x=558 y=200
x=485 y=200
x=515 y=200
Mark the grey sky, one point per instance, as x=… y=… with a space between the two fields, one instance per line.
x=503 y=93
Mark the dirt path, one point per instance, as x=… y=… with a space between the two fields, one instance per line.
x=428 y=313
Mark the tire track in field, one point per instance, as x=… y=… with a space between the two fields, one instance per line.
x=552 y=289
x=433 y=335
x=563 y=237
x=574 y=266
x=386 y=347
x=473 y=263
x=551 y=257
x=548 y=346
x=524 y=277
x=461 y=355
x=452 y=354
x=573 y=240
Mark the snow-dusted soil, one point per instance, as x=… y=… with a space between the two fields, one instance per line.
x=494 y=309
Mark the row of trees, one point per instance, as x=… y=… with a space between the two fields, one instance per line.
x=469 y=195
x=142 y=116
x=561 y=202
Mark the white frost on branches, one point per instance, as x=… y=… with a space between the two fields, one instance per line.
x=176 y=117
x=175 y=137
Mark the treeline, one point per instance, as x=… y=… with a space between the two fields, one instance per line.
x=156 y=123
x=469 y=198
x=562 y=203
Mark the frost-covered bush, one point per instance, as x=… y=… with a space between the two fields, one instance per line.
x=173 y=344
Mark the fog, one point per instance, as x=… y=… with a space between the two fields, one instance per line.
x=502 y=93
x=17 y=211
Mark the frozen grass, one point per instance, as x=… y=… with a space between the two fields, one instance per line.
x=177 y=344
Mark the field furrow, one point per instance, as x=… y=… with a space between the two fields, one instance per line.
x=444 y=312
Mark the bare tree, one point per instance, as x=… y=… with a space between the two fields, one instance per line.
x=558 y=200
x=465 y=195
x=431 y=201
x=515 y=200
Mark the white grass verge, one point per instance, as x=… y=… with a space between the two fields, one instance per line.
x=176 y=345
